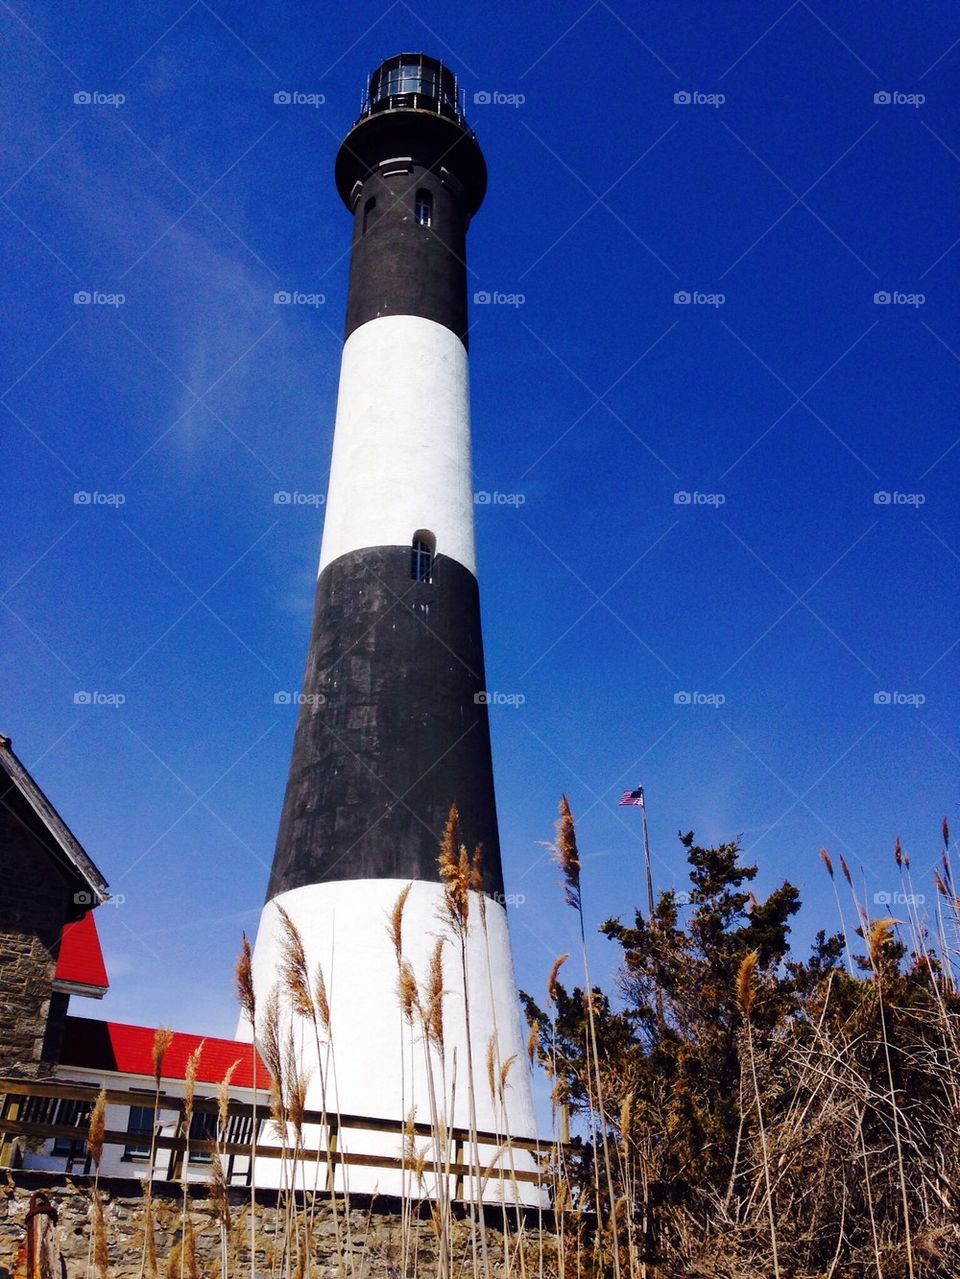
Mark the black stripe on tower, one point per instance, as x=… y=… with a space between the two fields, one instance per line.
x=391 y=731
x=413 y=175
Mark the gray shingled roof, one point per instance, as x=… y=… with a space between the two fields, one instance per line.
x=63 y=845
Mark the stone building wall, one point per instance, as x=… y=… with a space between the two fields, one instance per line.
x=362 y=1243
x=33 y=906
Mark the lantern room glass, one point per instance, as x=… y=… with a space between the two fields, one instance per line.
x=415 y=76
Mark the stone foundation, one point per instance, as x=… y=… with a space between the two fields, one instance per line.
x=363 y=1243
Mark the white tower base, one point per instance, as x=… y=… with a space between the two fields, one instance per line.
x=373 y=1053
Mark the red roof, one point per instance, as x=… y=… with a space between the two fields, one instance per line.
x=109 y=1045
x=81 y=960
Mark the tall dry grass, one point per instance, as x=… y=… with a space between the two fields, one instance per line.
x=767 y=1118
x=776 y=1116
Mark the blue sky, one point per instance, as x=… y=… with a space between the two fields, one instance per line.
x=782 y=586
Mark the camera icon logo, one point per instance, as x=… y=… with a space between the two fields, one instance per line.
x=882 y=298
x=82 y=98
x=282 y=98
x=82 y=298
x=82 y=699
x=282 y=298
x=482 y=98
x=482 y=498
x=482 y=298
x=83 y=899
x=681 y=498
x=882 y=898
x=882 y=699
x=681 y=699
x=682 y=98
x=81 y=498
x=882 y=97
x=282 y=699
x=481 y=699
x=882 y=498
x=682 y=298
x=281 y=498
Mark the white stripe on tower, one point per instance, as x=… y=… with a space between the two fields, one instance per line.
x=401 y=450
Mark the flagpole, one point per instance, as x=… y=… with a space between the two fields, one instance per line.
x=637 y=798
x=646 y=855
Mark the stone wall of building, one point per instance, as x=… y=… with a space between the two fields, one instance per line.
x=364 y=1241
x=33 y=904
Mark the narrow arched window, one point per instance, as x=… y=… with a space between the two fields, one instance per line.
x=368 y=213
x=421 y=556
x=424 y=207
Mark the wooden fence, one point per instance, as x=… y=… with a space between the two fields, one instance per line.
x=29 y=1110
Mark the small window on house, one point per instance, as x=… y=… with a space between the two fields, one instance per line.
x=140 y=1128
x=369 y=212
x=424 y=208
x=71 y=1114
x=203 y=1127
x=421 y=556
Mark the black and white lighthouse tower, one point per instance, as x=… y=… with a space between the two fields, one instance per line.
x=393 y=725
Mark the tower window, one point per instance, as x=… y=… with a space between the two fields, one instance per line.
x=369 y=212
x=425 y=208
x=421 y=556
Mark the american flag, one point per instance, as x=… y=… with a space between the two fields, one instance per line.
x=632 y=798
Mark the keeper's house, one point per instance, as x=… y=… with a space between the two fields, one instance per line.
x=49 y=951
x=48 y=890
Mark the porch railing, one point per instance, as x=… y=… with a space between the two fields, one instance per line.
x=29 y=1110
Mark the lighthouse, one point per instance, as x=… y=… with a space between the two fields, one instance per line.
x=393 y=723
